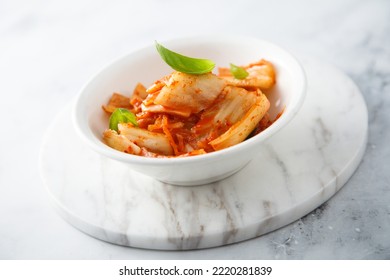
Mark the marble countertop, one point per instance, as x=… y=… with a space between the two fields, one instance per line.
x=49 y=49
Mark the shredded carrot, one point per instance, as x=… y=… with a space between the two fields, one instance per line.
x=169 y=135
x=180 y=139
x=157 y=125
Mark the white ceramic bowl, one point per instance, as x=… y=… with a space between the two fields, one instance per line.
x=146 y=66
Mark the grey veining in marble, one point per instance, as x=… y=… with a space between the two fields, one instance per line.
x=297 y=170
x=49 y=49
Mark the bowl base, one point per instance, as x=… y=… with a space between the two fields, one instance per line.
x=205 y=181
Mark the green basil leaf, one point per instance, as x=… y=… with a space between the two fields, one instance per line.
x=122 y=116
x=238 y=72
x=183 y=63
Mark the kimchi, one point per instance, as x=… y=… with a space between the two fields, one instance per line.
x=185 y=115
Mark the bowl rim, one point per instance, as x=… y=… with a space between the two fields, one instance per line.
x=249 y=143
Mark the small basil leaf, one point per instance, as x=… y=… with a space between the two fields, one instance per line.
x=122 y=116
x=183 y=63
x=238 y=72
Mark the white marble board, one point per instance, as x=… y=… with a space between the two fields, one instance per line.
x=297 y=170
